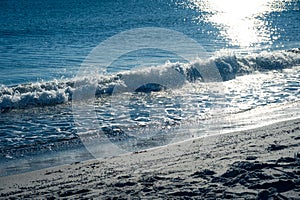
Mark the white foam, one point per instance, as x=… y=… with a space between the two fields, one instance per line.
x=171 y=75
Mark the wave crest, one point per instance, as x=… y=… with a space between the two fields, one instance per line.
x=59 y=92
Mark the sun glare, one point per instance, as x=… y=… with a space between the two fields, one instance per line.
x=239 y=21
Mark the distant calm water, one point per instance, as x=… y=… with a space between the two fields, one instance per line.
x=254 y=44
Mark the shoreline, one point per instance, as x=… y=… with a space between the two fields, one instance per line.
x=257 y=163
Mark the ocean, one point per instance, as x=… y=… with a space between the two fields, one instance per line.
x=93 y=79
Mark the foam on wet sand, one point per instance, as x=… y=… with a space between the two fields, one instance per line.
x=253 y=164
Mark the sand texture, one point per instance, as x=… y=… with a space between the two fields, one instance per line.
x=255 y=164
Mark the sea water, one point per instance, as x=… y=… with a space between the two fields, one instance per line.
x=254 y=45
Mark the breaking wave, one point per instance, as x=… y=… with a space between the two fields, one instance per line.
x=61 y=91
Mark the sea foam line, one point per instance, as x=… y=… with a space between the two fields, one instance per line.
x=61 y=91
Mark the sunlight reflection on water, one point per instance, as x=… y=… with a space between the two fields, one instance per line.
x=242 y=23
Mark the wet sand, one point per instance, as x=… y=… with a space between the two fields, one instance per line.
x=260 y=163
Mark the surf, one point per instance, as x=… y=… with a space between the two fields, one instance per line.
x=230 y=66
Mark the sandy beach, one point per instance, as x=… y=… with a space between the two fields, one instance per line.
x=255 y=164
x=88 y=88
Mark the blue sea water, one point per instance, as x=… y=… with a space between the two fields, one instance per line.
x=254 y=45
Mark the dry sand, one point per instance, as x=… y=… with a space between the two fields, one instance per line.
x=255 y=164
